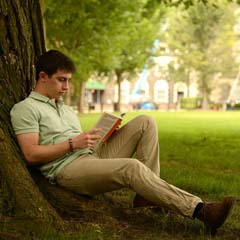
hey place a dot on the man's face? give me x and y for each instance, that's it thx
(56, 85)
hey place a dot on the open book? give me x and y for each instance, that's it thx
(108, 124)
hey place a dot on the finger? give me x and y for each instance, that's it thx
(91, 143)
(96, 136)
(93, 136)
(95, 130)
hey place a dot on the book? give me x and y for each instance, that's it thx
(108, 123)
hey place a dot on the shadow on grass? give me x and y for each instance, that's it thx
(118, 220)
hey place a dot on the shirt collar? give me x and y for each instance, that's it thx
(42, 98)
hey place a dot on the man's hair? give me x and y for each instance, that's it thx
(52, 61)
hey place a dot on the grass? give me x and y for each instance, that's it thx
(200, 152)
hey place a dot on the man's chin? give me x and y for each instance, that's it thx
(60, 95)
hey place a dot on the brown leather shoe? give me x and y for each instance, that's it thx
(139, 201)
(213, 215)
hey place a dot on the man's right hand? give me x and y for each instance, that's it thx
(87, 139)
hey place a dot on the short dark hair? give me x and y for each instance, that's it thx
(52, 61)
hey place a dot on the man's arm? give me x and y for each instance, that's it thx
(36, 154)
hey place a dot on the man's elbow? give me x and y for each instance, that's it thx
(30, 159)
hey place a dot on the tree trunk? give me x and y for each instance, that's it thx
(188, 83)
(67, 98)
(21, 41)
(205, 104)
(81, 97)
(119, 80)
(170, 95)
(72, 205)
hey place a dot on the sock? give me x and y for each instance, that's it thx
(197, 209)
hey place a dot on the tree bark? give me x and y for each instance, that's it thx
(67, 97)
(188, 83)
(71, 205)
(205, 104)
(119, 80)
(21, 41)
(170, 95)
(81, 97)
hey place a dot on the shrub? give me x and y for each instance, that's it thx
(191, 102)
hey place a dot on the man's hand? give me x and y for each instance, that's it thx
(87, 139)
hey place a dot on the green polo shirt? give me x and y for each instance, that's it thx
(39, 114)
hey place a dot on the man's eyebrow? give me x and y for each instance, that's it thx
(64, 78)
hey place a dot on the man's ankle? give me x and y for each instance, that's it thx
(197, 209)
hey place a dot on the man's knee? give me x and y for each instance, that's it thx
(146, 120)
(134, 173)
(132, 168)
(134, 164)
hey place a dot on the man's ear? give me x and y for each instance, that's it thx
(43, 76)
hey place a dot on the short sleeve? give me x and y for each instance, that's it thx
(24, 118)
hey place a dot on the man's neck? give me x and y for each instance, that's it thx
(40, 90)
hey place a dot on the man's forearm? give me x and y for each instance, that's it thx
(36, 154)
(41, 154)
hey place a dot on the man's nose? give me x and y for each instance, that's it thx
(65, 85)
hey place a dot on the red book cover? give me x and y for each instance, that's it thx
(111, 130)
(108, 124)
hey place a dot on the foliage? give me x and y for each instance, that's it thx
(94, 32)
(139, 43)
(103, 36)
(186, 3)
(87, 30)
(201, 38)
(191, 102)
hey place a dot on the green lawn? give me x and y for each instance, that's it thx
(200, 152)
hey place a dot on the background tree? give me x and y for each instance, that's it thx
(87, 31)
(102, 36)
(136, 51)
(196, 36)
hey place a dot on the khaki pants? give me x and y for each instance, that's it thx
(112, 167)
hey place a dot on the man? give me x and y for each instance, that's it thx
(51, 138)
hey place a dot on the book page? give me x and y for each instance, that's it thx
(107, 122)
